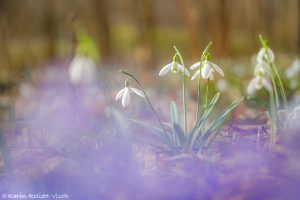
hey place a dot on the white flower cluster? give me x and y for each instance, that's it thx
(206, 72)
(261, 71)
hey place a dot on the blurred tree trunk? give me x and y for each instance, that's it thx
(224, 35)
(7, 68)
(4, 53)
(102, 11)
(190, 18)
(298, 26)
(268, 17)
(145, 11)
(50, 28)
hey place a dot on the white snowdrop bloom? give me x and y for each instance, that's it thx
(126, 92)
(257, 83)
(194, 66)
(174, 67)
(82, 70)
(207, 71)
(262, 67)
(263, 55)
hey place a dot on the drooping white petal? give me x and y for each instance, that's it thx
(126, 97)
(260, 55)
(137, 91)
(267, 84)
(271, 55)
(218, 69)
(184, 70)
(120, 93)
(194, 66)
(205, 71)
(211, 76)
(196, 75)
(263, 55)
(165, 69)
(252, 86)
(261, 68)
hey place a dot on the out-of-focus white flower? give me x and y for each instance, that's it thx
(174, 67)
(293, 84)
(263, 55)
(82, 70)
(125, 94)
(293, 70)
(222, 85)
(207, 70)
(257, 83)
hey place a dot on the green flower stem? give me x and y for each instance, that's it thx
(275, 90)
(198, 99)
(272, 121)
(273, 66)
(274, 70)
(159, 121)
(183, 92)
(206, 96)
(199, 81)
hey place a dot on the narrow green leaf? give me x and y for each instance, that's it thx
(180, 135)
(121, 125)
(196, 132)
(174, 120)
(159, 133)
(153, 129)
(217, 122)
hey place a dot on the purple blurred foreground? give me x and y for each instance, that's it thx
(70, 140)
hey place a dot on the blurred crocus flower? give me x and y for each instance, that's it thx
(264, 55)
(125, 94)
(257, 83)
(174, 67)
(207, 70)
(82, 70)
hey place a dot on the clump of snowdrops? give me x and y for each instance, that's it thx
(178, 138)
(267, 76)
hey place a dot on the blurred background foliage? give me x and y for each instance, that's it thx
(141, 32)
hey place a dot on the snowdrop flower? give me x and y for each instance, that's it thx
(262, 68)
(207, 70)
(174, 67)
(257, 83)
(125, 94)
(82, 70)
(263, 55)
